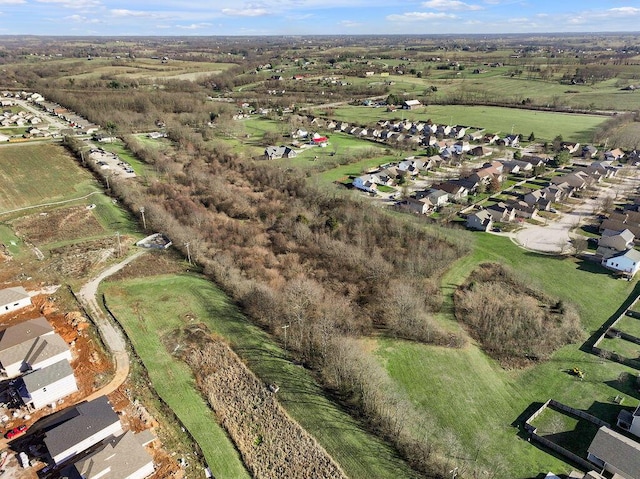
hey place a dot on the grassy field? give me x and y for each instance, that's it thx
(171, 378)
(163, 303)
(629, 325)
(445, 382)
(43, 173)
(545, 125)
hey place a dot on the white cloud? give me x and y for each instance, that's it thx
(12, 2)
(624, 11)
(245, 12)
(194, 26)
(349, 24)
(419, 16)
(449, 5)
(76, 4)
(82, 19)
(122, 12)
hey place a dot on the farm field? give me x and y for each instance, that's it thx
(444, 382)
(545, 125)
(42, 173)
(170, 302)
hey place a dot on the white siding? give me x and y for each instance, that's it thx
(53, 392)
(13, 306)
(143, 472)
(114, 430)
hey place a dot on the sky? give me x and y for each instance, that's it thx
(314, 17)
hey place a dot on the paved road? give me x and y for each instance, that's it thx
(111, 335)
(556, 236)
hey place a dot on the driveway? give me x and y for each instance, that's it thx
(555, 236)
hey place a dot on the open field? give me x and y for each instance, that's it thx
(444, 382)
(166, 303)
(35, 174)
(545, 125)
(171, 378)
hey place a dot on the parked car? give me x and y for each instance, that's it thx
(16, 431)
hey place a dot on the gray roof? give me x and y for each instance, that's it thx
(120, 456)
(11, 295)
(78, 423)
(34, 350)
(46, 376)
(633, 255)
(617, 450)
(23, 332)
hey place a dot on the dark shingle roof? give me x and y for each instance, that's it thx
(617, 450)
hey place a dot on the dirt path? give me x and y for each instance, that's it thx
(109, 332)
(50, 204)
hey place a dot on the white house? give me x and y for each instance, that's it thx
(45, 386)
(12, 299)
(30, 345)
(626, 263)
(75, 429)
(480, 221)
(122, 457)
(368, 183)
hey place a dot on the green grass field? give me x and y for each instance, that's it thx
(545, 125)
(36, 174)
(146, 325)
(629, 325)
(161, 304)
(470, 394)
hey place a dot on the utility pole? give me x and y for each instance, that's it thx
(285, 327)
(188, 252)
(119, 245)
(144, 221)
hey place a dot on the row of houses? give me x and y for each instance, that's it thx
(530, 204)
(85, 441)
(418, 133)
(21, 118)
(79, 124)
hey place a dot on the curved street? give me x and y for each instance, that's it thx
(555, 236)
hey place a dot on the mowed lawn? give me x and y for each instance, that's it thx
(151, 308)
(468, 393)
(42, 173)
(545, 125)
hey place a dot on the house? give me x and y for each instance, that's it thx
(626, 263)
(122, 457)
(570, 147)
(30, 345)
(501, 212)
(455, 190)
(577, 180)
(45, 386)
(480, 151)
(420, 206)
(411, 104)
(75, 429)
(613, 155)
(480, 221)
(12, 299)
(589, 151)
(438, 197)
(524, 210)
(538, 198)
(368, 183)
(630, 421)
(517, 166)
(275, 152)
(615, 454)
(511, 140)
(617, 240)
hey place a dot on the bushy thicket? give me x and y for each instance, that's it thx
(271, 443)
(512, 321)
